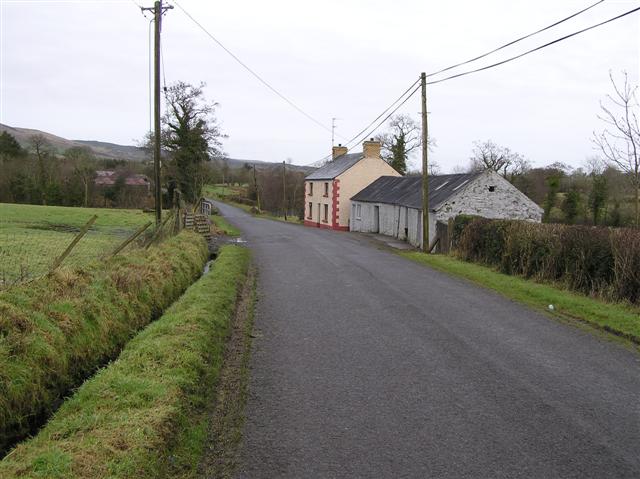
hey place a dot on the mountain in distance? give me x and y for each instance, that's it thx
(113, 151)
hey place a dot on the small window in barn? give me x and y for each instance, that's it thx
(492, 188)
(326, 190)
(358, 211)
(326, 214)
(310, 210)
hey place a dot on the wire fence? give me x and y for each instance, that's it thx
(32, 245)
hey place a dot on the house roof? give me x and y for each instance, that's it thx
(407, 190)
(336, 167)
(109, 178)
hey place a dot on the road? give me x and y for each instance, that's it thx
(368, 365)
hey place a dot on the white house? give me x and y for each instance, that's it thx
(392, 206)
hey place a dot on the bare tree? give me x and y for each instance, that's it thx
(404, 135)
(491, 156)
(619, 142)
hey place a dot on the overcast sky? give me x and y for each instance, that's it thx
(79, 69)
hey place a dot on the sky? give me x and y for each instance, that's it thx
(80, 70)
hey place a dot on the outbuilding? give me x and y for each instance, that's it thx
(392, 206)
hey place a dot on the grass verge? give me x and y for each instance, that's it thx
(127, 420)
(224, 226)
(619, 319)
(56, 331)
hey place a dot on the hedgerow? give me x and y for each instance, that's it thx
(56, 331)
(129, 419)
(596, 261)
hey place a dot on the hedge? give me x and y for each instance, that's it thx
(55, 332)
(597, 261)
(128, 420)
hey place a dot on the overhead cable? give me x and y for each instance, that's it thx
(513, 42)
(558, 40)
(251, 71)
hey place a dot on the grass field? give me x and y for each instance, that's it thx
(620, 319)
(32, 236)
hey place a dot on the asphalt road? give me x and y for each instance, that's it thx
(368, 365)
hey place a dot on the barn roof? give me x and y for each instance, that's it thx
(407, 190)
(335, 167)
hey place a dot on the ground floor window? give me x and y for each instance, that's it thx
(358, 211)
(310, 210)
(326, 214)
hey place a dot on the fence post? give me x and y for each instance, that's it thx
(58, 261)
(159, 229)
(122, 245)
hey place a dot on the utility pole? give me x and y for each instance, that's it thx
(255, 186)
(284, 188)
(425, 166)
(157, 10)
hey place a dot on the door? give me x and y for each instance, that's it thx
(376, 219)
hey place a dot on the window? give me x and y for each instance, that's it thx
(326, 214)
(310, 189)
(310, 210)
(358, 211)
(492, 188)
(326, 190)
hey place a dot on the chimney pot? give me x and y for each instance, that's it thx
(371, 149)
(338, 151)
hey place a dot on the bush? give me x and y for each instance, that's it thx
(592, 260)
(55, 332)
(128, 421)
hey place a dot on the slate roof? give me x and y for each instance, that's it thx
(407, 190)
(335, 167)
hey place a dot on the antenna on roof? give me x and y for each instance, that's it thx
(333, 130)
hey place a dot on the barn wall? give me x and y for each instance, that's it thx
(505, 202)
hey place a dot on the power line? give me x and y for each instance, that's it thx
(535, 49)
(250, 70)
(516, 40)
(359, 135)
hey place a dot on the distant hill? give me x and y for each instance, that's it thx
(119, 152)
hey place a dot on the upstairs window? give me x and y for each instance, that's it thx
(310, 189)
(326, 190)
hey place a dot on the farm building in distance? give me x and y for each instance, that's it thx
(392, 206)
(129, 189)
(328, 189)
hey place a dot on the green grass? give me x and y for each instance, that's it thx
(620, 319)
(224, 226)
(223, 193)
(55, 331)
(129, 419)
(32, 236)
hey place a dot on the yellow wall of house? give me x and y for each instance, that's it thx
(355, 179)
(318, 198)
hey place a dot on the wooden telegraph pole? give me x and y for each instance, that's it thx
(255, 185)
(284, 189)
(157, 10)
(425, 169)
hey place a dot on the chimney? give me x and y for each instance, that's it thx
(371, 148)
(339, 151)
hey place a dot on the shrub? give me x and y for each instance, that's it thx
(592, 260)
(55, 332)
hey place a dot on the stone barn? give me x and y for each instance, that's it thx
(392, 206)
